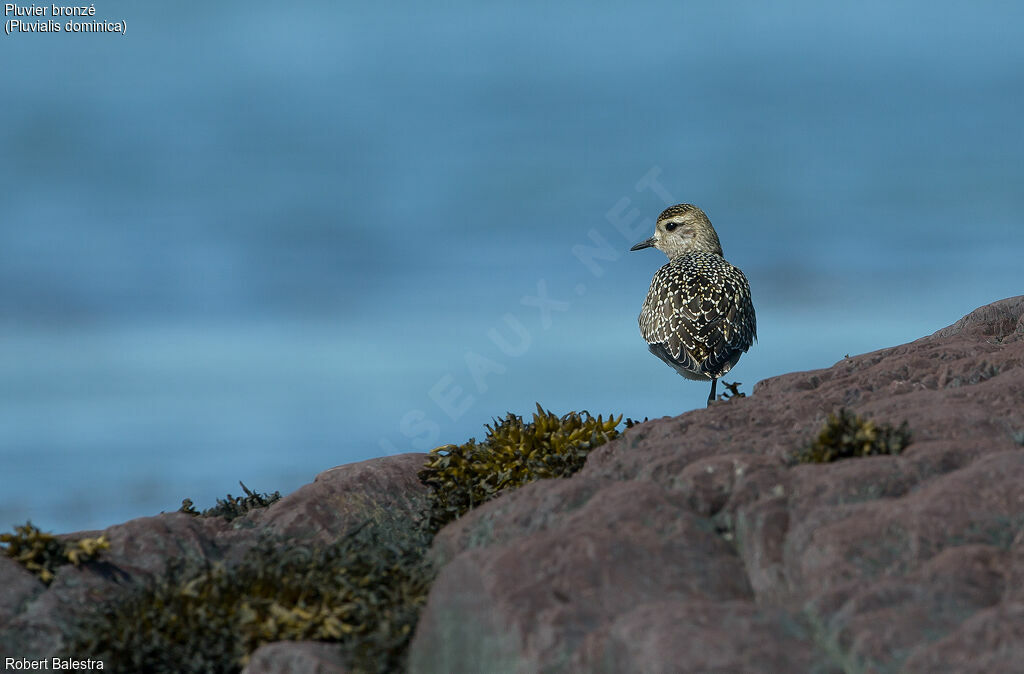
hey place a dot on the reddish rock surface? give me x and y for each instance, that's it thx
(34, 618)
(296, 657)
(693, 544)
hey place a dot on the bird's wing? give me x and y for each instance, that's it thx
(701, 316)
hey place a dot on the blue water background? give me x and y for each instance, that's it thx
(248, 240)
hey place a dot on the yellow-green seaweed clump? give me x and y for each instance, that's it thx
(847, 436)
(363, 592)
(514, 453)
(41, 553)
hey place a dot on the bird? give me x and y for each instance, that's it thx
(698, 316)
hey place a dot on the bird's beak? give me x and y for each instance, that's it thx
(644, 244)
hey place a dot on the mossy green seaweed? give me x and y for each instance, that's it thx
(846, 435)
(231, 507)
(513, 453)
(363, 592)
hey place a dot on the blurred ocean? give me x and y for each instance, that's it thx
(254, 242)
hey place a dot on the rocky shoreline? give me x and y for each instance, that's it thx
(692, 543)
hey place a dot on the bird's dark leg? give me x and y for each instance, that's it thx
(711, 396)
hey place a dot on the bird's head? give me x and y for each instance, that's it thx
(681, 229)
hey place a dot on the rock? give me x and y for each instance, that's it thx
(989, 641)
(35, 619)
(694, 635)
(296, 657)
(342, 497)
(615, 555)
(19, 585)
(695, 544)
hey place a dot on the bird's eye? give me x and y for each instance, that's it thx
(670, 226)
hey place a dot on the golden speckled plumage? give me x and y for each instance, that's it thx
(698, 316)
(698, 313)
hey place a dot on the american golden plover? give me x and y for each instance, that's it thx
(698, 316)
